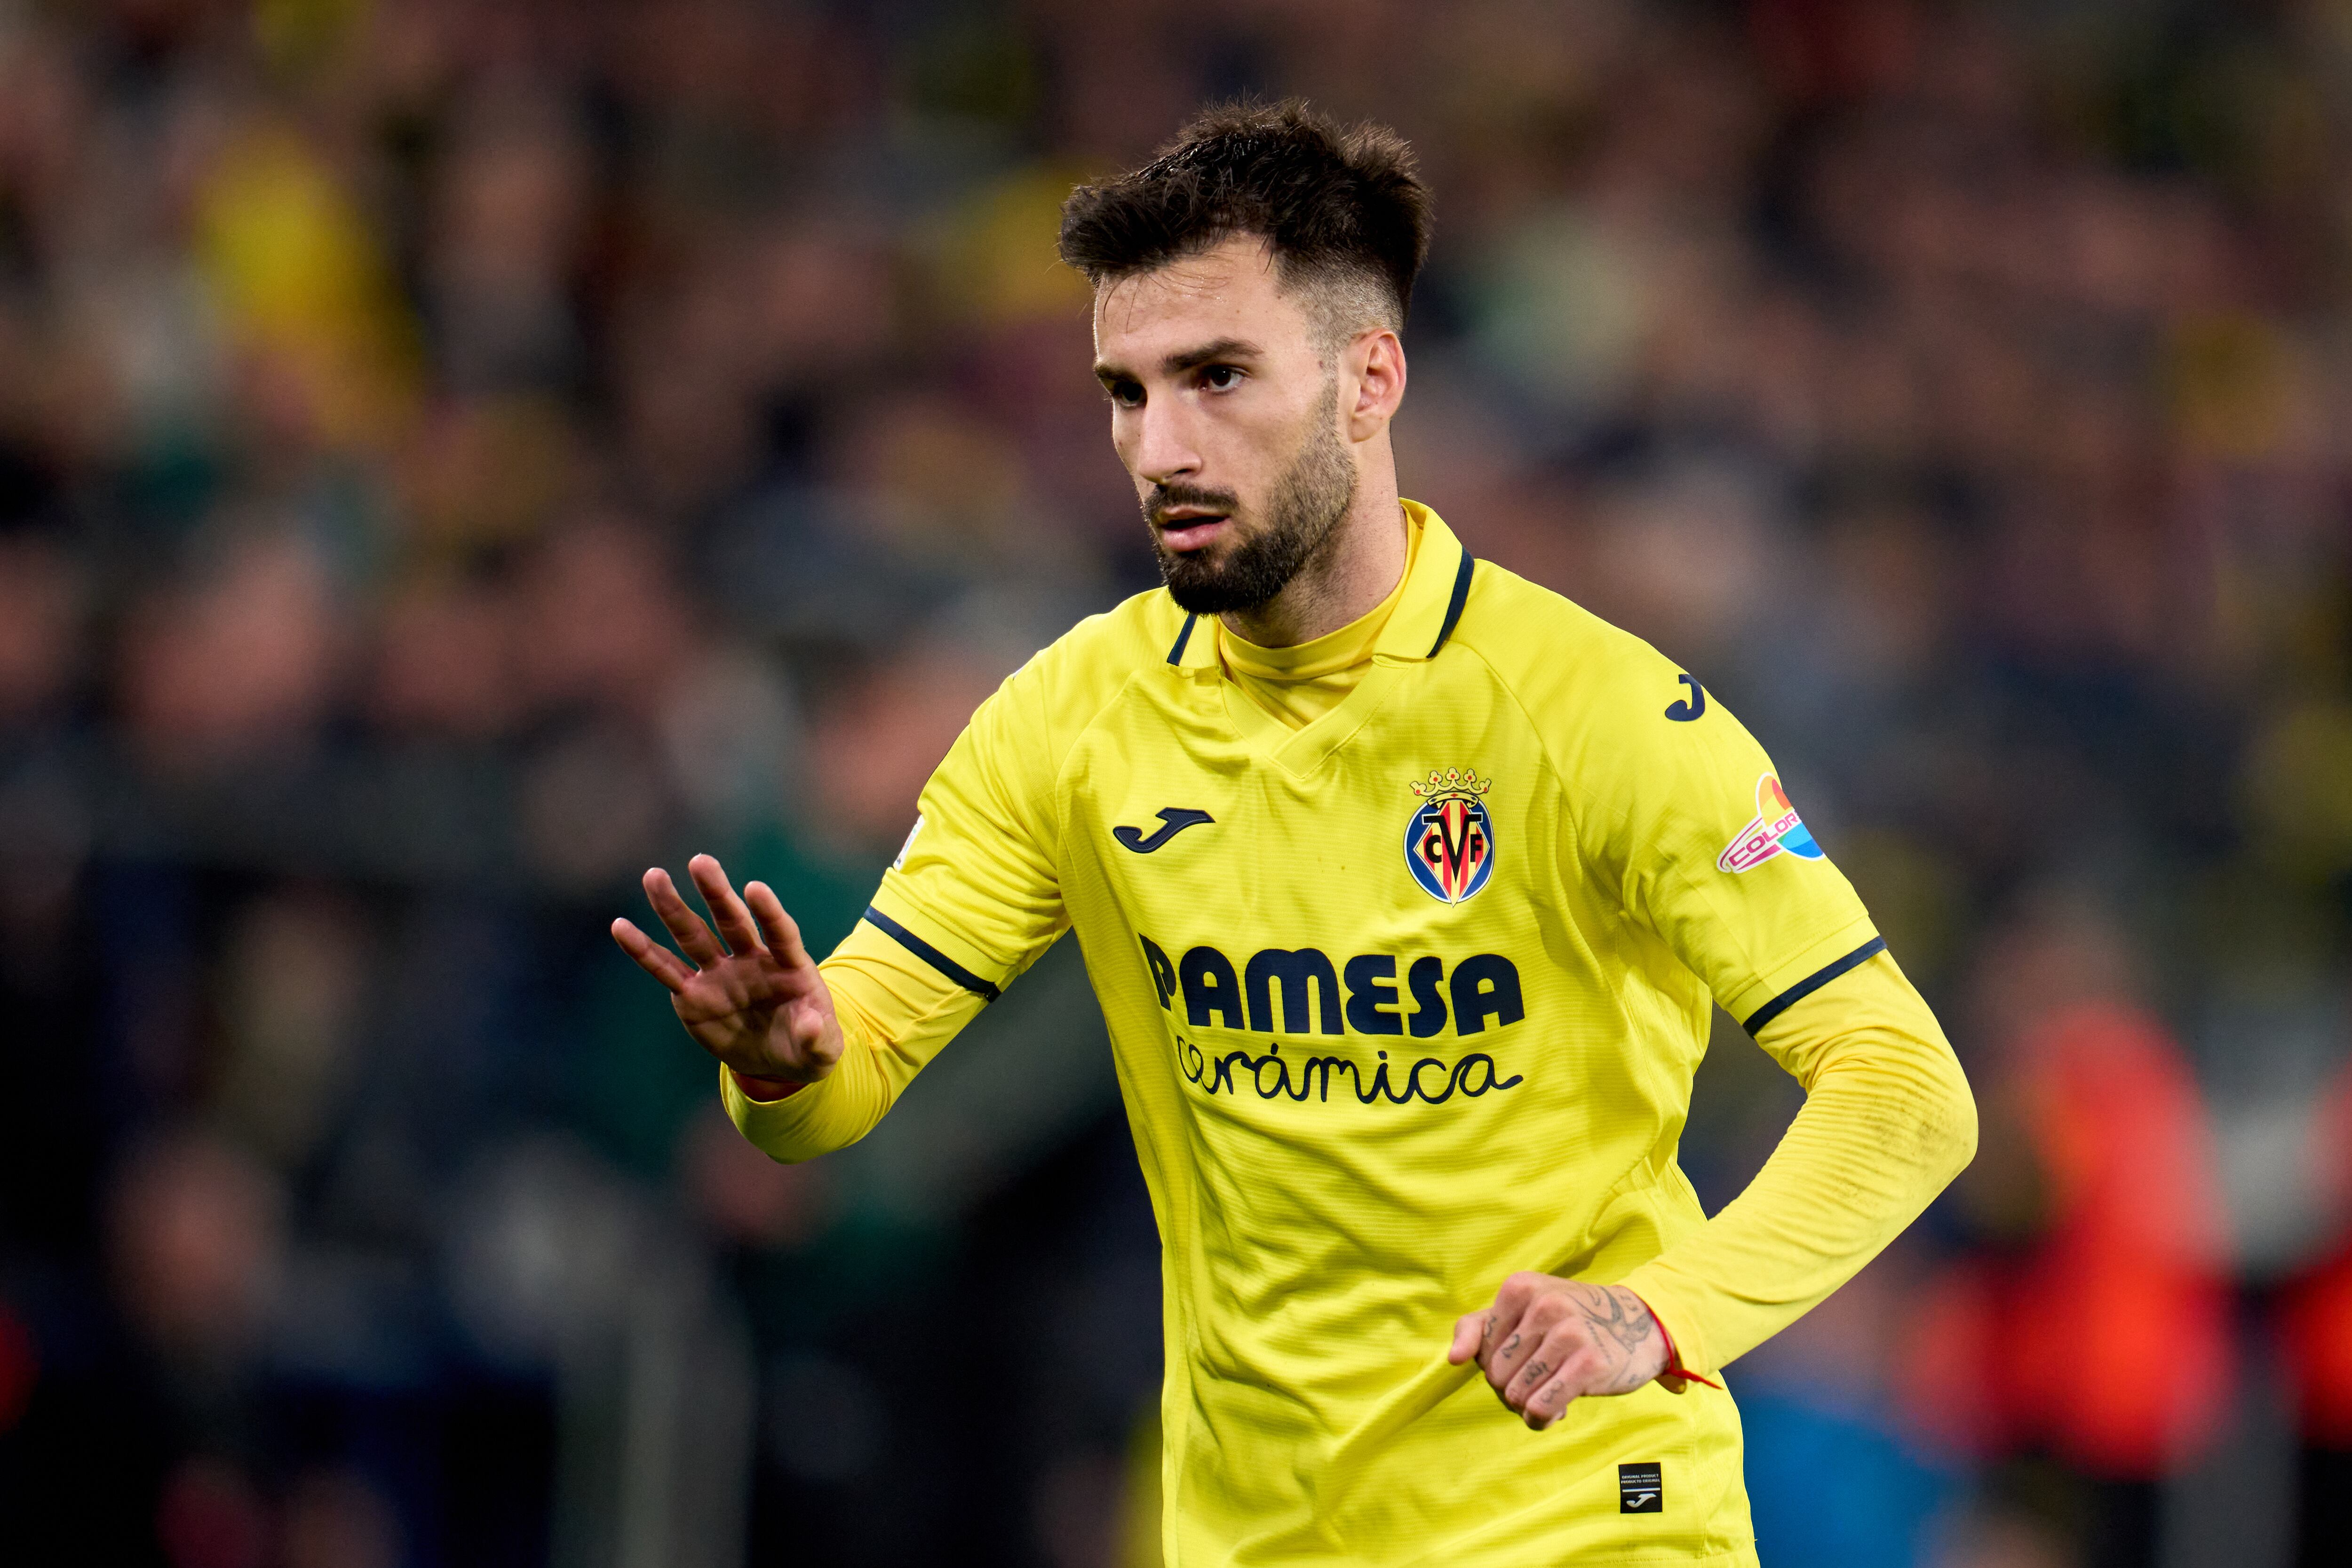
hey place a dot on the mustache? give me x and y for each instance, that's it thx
(1163, 497)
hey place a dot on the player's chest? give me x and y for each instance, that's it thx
(1421, 816)
(1363, 925)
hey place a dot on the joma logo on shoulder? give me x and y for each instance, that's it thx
(1177, 819)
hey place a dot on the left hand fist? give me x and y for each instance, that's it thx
(1548, 1339)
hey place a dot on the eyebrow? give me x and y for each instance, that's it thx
(1183, 360)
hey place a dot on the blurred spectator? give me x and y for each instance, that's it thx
(38, 608)
(1833, 1475)
(240, 661)
(2105, 1338)
(2316, 1317)
(198, 1243)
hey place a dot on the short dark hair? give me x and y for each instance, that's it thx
(1342, 207)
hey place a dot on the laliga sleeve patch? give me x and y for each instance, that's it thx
(1776, 830)
(900, 863)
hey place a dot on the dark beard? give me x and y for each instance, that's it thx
(1302, 521)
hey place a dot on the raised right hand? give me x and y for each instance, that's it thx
(758, 1004)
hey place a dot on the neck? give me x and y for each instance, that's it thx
(1356, 569)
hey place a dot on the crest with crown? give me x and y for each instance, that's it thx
(1449, 842)
(1452, 784)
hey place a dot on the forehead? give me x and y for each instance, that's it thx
(1229, 291)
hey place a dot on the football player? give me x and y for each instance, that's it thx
(1408, 888)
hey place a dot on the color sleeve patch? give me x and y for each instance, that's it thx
(1775, 830)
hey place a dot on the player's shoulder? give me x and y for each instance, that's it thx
(1541, 643)
(1111, 644)
(1091, 663)
(1604, 703)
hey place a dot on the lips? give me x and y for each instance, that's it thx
(1184, 533)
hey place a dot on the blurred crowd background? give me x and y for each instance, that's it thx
(455, 453)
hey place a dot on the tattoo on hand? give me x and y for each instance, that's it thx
(1616, 1332)
(1619, 1325)
(1513, 1347)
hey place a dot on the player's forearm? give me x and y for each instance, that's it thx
(1887, 1122)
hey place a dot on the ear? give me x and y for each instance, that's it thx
(1375, 362)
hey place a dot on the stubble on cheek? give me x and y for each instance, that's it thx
(1267, 547)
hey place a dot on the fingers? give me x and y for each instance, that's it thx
(733, 920)
(1548, 1341)
(685, 927)
(1468, 1331)
(1509, 1349)
(777, 929)
(1557, 1368)
(1561, 1365)
(1549, 1402)
(652, 956)
(1508, 1345)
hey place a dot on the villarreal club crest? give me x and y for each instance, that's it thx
(1449, 843)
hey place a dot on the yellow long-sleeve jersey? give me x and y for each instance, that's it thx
(1406, 989)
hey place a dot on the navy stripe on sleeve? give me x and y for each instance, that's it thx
(1453, 606)
(931, 956)
(1812, 982)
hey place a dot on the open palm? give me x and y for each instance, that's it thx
(758, 1002)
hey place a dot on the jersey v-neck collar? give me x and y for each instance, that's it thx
(1335, 652)
(1417, 629)
(1435, 587)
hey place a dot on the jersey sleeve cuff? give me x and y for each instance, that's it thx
(762, 1091)
(777, 1128)
(1677, 1378)
(1762, 999)
(1686, 1345)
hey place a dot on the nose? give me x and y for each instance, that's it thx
(1163, 448)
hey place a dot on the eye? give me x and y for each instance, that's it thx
(1221, 378)
(1126, 393)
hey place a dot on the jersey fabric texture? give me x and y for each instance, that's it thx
(1404, 999)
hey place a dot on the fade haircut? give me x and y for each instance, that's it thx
(1343, 209)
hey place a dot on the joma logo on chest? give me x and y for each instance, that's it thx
(1291, 991)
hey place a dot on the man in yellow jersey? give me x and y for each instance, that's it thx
(1407, 887)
